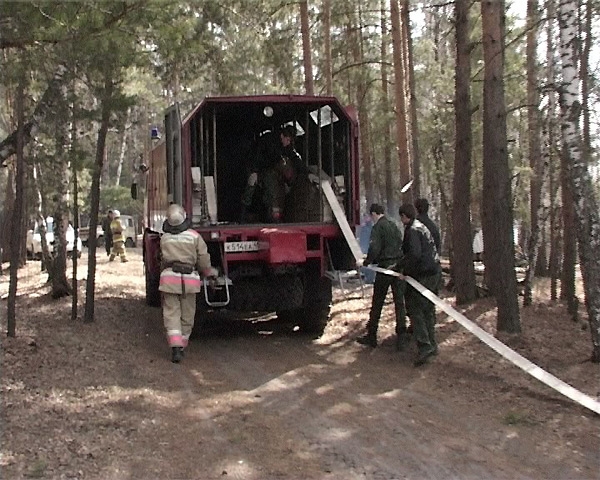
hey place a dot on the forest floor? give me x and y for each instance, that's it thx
(258, 400)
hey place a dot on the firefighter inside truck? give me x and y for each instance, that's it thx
(231, 140)
(275, 166)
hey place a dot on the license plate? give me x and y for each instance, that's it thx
(235, 247)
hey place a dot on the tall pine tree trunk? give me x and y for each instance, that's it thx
(307, 54)
(586, 205)
(17, 211)
(355, 36)
(551, 146)
(328, 70)
(107, 95)
(497, 201)
(414, 122)
(390, 195)
(123, 148)
(401, 126)
(463, 271)
(535, 160)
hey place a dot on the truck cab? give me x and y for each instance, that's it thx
(267, 263)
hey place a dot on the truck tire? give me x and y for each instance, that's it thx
(152, 292)
(313, 316)
(129, 243)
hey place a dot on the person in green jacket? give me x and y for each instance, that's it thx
(385, 250)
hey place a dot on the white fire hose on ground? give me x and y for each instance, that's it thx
(491, 341)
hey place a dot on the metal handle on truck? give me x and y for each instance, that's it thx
(221, 282)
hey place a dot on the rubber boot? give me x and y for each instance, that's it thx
(176, 354)
(370, 339)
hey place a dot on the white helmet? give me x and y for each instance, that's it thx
(116, 213)
(175, 215)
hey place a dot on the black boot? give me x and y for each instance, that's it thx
(402, 340)
(176, 354)
(425, 351)
(370, 339)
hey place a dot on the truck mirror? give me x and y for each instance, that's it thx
(134, 191)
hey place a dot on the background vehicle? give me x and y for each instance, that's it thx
(130, 230)
(34, 240)
(202, 164)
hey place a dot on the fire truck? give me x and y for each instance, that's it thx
(204, 162)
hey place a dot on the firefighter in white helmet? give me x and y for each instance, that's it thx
(184, 260)
(118, 239)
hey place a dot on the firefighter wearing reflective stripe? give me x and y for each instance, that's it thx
(118, 248)
(184, 254)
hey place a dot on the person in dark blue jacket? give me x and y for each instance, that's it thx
(421, 262)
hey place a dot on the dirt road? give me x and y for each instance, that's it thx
(258, 400)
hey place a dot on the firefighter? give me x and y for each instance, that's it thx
(184, 254)
(118, 248)
(273, 171)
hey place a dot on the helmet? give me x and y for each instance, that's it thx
(175, 215)
(116, 213)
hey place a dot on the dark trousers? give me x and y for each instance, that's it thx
(422, 312)
(380, 288)
(108, 244)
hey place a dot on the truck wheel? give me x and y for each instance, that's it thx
(152, 292)
(317, 305)
(313, 316)
(129, 243)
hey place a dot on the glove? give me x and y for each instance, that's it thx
(252, 179)
(313, 178)
(210, 272)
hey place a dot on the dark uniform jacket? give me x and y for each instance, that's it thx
(106, 228)
(420, 255)
(289, 154)
(433, 228)
(385, 245)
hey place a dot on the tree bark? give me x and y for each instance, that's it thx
(569, 253)
(95, 195)
(463, 271)
(401, 127)
(355, 38)
(123, 148)
(551, 146)
(328, 73)
(17, 211)
(585, 81)
(497, 205)
(414, 122)
(535, 155)
(390, 195)
(307, 54)
(60, 284)
(586, 205)
(75, 168)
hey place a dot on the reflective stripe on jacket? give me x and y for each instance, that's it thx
(186, 247)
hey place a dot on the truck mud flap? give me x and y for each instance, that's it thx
(267, 294)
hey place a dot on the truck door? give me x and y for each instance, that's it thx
(174, 159)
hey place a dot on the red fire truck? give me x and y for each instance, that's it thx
(204, 162)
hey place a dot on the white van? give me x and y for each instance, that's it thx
(34, 240)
